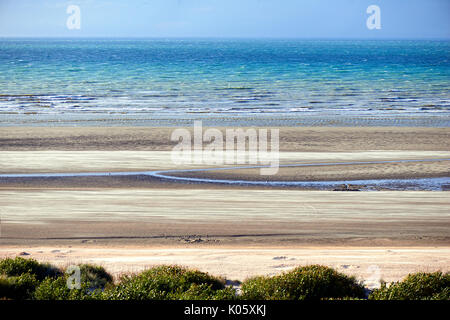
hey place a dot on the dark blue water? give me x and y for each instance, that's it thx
(228, 82)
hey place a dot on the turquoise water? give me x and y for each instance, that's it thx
(224, 82)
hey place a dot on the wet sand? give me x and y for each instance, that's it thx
(299, 139)
(55, 213)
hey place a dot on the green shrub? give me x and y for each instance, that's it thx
(92, 280)
(19, 266)
(303, 283)
(418, 286)
(18, 287)
(258, 288)
(57, 289)
(95, 276)
(205, 292)
(168, 282)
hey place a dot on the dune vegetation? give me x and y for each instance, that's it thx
(27, 279)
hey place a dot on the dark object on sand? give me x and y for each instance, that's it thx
(346, 187)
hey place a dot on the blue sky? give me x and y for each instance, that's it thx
(227, 18)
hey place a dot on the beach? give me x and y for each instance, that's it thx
(128, 223)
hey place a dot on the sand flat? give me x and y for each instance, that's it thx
(299, 215)
(109, 161)
(209, 204)
(301, 139)
(127, 225)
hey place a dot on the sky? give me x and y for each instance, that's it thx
(330, 19)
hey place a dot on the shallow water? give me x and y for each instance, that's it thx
(430, 184)
(228, 82)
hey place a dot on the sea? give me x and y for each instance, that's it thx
(224, 82)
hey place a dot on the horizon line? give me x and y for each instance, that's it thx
(227, 38)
